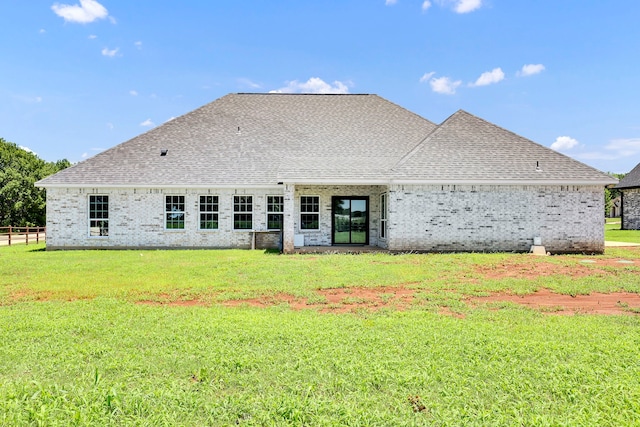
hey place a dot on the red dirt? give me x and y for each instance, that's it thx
(552, 303)
(352, 299)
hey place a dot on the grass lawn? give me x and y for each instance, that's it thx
(144, 338)
(613, 233)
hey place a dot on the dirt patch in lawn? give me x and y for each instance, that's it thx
(345, 300)
(528, 270)
(552, 303)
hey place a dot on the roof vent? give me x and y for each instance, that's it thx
(238, 131)
(538, 168)
(163, 152)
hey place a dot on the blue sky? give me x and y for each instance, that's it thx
(80, 76)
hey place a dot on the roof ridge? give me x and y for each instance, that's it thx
(415, 149)
(304, 94)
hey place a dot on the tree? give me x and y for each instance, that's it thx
(21, 203)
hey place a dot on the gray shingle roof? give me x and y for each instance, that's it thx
(467, 148)
(631, 180)
(263, 139)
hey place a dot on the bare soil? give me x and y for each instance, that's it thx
(354, 299)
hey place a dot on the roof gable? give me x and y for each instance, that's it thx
(465, 148)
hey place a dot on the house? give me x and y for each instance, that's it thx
(615, 207)
(629, 187)
(260, 170)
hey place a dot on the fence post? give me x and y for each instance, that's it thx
(26, 240)
(9, 235)
(37, 235)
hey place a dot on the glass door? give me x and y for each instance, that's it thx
(350, 220)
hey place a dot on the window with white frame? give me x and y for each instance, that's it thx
(309, 212)
(275, 206)
(209, 212)
(242, 212)
(174, 212)
(383, 216)
(98, 215)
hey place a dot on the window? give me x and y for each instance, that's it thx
(174, 212)
(274, 212)
(383, 216)
(242, 212)
(208, 212)
(98, 216)
(309, 212)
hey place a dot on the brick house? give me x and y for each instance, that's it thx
(317, 170)
(629, 187)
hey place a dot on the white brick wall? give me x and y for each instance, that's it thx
(322, 237)
(136, 219)
(496, 218)
(422, 218)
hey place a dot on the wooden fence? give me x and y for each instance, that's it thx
(11, 235)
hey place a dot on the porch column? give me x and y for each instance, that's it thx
(288, 228)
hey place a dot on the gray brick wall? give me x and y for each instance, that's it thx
(496, 218)
(421, 218)
(322, 236)
(631, 209)
(137, 219)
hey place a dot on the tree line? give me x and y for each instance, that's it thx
(21, 202)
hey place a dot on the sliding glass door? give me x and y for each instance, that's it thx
(350, 220)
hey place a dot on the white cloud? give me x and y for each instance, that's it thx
(38, 99)
(444, 85)
(563, 143)
(314, 85)
(490, 77)
(138, 44)
(624, 147)
(42, 31)
(170, 118)
(426, 4)
(93, 37)
(27, 149)
(390, 2)
(426, 76)
(466, 6)
(531, 69)
(461, 6)
(88, 11)
(133, 92)
(147, 123)
(110, 52)
(110, 126)
(248, 83)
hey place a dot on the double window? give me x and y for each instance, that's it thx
(174, 212)
(209, 212)
(309, 212)
(98, 215)
(274, 212)
(242, 212)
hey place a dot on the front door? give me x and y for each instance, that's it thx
(350, 223)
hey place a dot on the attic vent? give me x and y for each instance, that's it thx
(538, 168)
(163, 153)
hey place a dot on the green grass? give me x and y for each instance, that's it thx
(613, 233)
(77, 348)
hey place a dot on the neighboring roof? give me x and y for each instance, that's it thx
(630, 180)
(266, 139)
